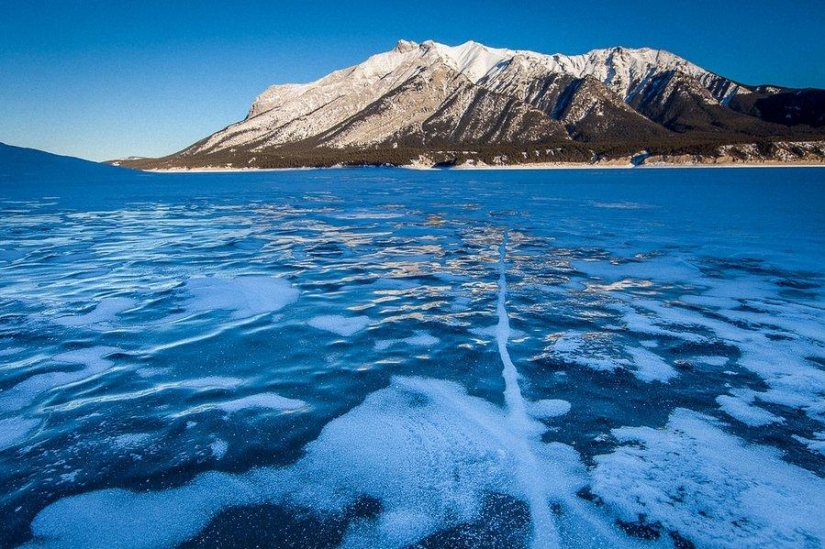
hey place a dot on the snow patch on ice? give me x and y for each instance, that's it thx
(546, 409)
(740, 406)
(816, 445)
(650, 366)
(711, 486)
(219, 448)
(342, 325)
(130, 441)
(245, 296)
(421, 339)
(588, 350)
(713, 360)
(270, 401)
(660, 269)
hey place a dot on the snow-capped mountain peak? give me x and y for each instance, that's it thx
(424, 93)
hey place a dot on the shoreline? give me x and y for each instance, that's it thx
(515, 167)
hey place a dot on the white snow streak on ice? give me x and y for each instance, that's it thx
(544, 529)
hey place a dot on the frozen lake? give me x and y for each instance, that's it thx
(392, 358)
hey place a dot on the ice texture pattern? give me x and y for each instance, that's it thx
(394, 359)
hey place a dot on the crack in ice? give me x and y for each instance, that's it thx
(545, 533)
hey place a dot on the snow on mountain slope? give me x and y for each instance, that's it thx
(472, 59)
(286, 114)
(624, 71)
(396, 94)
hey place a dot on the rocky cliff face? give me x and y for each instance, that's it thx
(427, 96)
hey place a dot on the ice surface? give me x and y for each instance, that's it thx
(105, 312)
(816, 444)
(589, 350)
(342, 325)
(212, 382)
(24, 393)
(424, 448)
(695, 478)
(14, 430)
(427, 450)
(741, 407)
(11, 255)
(219, 448)
(447, 421)
(650, 366)
(263, 400)
(245, 296)
(545, 409)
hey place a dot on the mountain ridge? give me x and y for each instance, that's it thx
(427, 96)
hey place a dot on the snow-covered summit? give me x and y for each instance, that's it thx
(623, 70)
(420, 93)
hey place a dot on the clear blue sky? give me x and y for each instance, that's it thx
(105, 79)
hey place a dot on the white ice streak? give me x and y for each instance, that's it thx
(526, 445)
(694, 478)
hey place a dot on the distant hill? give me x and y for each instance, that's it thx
(18, 163)
(475, 103)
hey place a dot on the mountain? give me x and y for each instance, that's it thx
(421, 99)
(17, 163)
